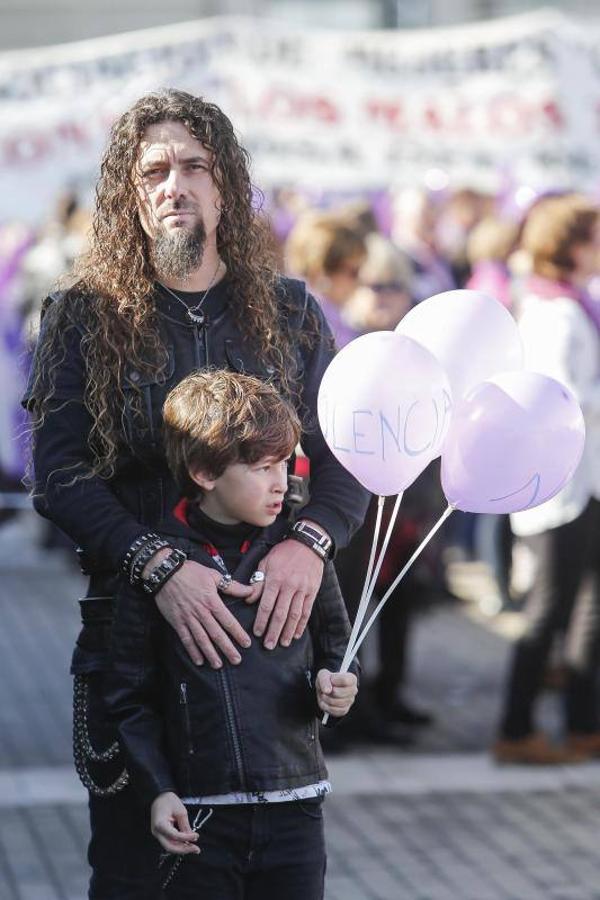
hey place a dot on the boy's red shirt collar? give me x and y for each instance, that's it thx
(181, 511)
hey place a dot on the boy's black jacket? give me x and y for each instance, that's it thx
(199, 731)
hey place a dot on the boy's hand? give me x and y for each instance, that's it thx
(336, 691)
(170, 825)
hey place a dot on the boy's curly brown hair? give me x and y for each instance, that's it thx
(216, 418)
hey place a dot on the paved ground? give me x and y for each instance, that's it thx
(434, 822)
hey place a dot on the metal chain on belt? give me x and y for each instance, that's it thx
(83, 750)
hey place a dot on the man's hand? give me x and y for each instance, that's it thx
(293, 575)
(170, 825)
(191, 605)
(336, 691)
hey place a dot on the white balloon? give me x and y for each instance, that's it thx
(384, 408)
(471, 335)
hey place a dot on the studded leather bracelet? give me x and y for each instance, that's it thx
(159, 576)
(134, 548)
(143, 557)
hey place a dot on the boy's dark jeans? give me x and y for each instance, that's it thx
(267, 851)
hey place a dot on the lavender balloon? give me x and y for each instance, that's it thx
(471, 335)
(514, 442)
(384, 408)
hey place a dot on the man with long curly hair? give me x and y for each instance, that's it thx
(178, 277)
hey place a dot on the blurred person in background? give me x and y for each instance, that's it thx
(328, 251)
(414, 232)
(177, 278)
(15, 241)
(383, 296)
(50, 260)
(489, 247)
(561, 336)
(460, 212)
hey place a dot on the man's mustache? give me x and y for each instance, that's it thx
(179, 206)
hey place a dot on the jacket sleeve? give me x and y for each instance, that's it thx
(329, 624)
(337, 501)
(133, 692)
(87, 510)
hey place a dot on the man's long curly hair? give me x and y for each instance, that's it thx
(112, 298)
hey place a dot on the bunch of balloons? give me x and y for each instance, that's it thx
(449, 381)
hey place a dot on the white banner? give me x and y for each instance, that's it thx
(516, 98)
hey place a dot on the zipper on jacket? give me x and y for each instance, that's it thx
(183, 702)
(235, 738)
(205, 335)
(197, 339)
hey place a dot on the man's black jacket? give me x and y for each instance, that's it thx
(104, 517)
(199, 731)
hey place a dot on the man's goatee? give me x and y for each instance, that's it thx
(178, 254)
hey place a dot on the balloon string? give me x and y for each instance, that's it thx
(370, 582)
(399, 578)
(373, 581)
(364, 597)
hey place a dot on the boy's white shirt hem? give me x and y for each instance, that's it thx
(285, 795)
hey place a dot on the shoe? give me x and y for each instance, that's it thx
(586, 745)
(405, 714)
(534, 750)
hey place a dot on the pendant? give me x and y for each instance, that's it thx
(195, 318)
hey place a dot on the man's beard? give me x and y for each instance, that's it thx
(179, 253)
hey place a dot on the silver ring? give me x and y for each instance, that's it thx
(225, 582)
(257, 577)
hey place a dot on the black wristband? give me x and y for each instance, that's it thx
(309, 542)
(143, 556)
(159, 576)
(133, 549)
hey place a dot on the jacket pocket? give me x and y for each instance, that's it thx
(93, 641)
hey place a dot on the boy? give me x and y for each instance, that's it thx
(235, 748)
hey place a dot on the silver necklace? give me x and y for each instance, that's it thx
(194, 313)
